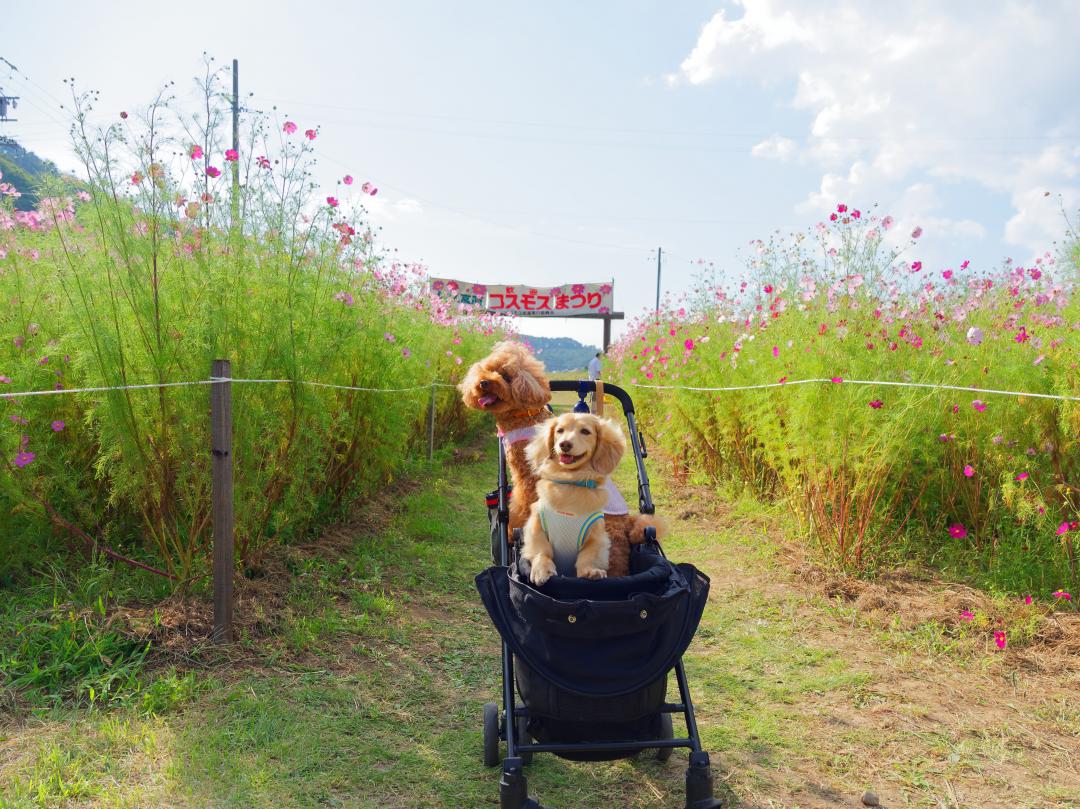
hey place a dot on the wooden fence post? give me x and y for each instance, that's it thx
(222, 497)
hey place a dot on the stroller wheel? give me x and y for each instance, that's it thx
(491, 734)
(521, 734)
(667, 731)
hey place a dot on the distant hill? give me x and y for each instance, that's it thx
(24, 170)
(561, 353)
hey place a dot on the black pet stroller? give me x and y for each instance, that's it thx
(591, 659)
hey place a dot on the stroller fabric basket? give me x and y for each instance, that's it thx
(604, 638)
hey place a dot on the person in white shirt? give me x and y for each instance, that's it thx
(594, 374)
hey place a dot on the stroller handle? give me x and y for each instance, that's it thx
(584, 386)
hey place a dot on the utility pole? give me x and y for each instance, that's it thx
(659, 255)
(235, 207)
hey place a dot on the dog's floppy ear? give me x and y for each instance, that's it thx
(610, 446)
(542, 445)
(527, 391)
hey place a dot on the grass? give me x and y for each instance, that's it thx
(368, 692)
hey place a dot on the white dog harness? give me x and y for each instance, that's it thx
(616, 505)
(567, 533)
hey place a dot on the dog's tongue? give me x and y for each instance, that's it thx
(566, 459)
(488, 400)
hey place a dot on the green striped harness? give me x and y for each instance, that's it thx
(567, 532)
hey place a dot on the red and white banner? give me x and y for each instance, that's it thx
(459, 291)
(562, 301)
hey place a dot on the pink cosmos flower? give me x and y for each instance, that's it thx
(979, 405)
(24, 458)
(1028, 600)
(310, 134)
(332, 202)
(969, 471)
(916, 233)
(57, 426)
(957, 531)
(877, 404)
(974, 335)
(263, 161)
(887, 222)
(347, 179)
(1022, 336)
(136, 178)
(689, 344)
(999, 639)
(212, 171)
(967, 615)
(196, 152)
(231, 155)
(776, 351)
(1022, 476)
(389, 337)
(1062, 595)
(289, 128)
(5, 380)
(946, 274)
(406, 353)
(83, 196)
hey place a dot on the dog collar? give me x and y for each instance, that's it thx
(585, 484)
(526, 414)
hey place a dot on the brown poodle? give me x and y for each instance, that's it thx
(572, 455)
(511, 385)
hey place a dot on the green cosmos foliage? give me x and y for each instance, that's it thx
(152, 270)
(985, 485)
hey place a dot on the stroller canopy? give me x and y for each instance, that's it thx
(599, 638)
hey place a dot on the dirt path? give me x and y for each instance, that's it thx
(812, 700)
(363, 689)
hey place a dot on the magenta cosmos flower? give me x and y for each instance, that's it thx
(347, 179)
(289, 128)
(1062, 595)
(24, 458)
(231, 155)
(877, 404)
(212, 171)
(979, 405)
(969, 471)
(310, 134)
(57, 426)
(1000, 640)
(196, 152)
(957, 531)
(332, 202)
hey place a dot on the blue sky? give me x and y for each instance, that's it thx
(551, 142)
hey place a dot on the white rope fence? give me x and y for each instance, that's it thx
(217, 380)
(435, 384)
(838, 381)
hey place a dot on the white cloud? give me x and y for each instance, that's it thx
(408, 206)
(776, 147)
(907, 98)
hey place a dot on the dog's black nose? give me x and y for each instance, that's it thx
(565, 446)
(484, 384)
